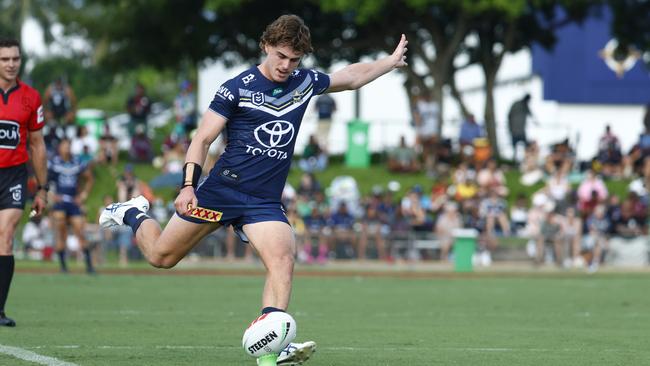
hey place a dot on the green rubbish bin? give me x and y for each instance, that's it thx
(93, 119)
(357, 154)
(464, 248)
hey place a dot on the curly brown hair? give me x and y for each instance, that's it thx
(288, 30)
(9, 42)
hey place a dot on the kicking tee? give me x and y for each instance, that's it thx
(263, 122)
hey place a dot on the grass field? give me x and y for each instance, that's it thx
(485, 319)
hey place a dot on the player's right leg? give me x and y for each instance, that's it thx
(8, 221)
(61, 235)
(162, 248)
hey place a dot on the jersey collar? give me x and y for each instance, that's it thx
(265, 83)
(5, 94)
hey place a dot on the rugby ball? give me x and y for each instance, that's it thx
(269, 334)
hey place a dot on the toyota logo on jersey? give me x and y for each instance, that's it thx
(9, 134)
(272, 135)
(275, 134)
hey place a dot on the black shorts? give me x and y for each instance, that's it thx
(13, 187)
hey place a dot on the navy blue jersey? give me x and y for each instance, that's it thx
(263, 121)
(65, 176)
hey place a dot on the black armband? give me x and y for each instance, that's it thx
(45, 187)
(191, 174)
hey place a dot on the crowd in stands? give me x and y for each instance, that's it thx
(569, 220)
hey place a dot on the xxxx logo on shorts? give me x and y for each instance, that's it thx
(205, 214)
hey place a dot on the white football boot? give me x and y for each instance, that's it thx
(296, 353)
(113, 214)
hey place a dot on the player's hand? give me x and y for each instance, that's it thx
(81, 198)
(186, 201)
(40, 201)
(399, 55)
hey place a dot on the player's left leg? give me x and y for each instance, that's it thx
(8, 221)
(276, 246)
(78, 225)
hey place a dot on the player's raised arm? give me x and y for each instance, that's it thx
(210, 127)
(355, 76)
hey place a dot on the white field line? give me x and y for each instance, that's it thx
(334, 348)
(30, 356)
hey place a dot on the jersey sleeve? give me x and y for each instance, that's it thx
(321, 81)
(226, 99)
(37, 119)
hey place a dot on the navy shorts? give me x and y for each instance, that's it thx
(70, 208)
(13, 187)
(227, 206)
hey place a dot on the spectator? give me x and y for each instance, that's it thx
(613, 212)
(632, 221)
(60, 110)
(464, 185)
(447, 222)
(52, 136)
(344, 188)
(536, 215)
(572, 236)
(403, 158)
(469, 131)
(550, 233)
(185, 108)
(342, 224)
(517, 118)
(308, 185)
(138, 106)
(37, 238)
(316, 227)
(519, 214)
(84, 139)
(439, 194)
(414, 208)
(172, 175)
(491, 178)
(426, 115)
(374, 224)
(530, 168)
(598, 226)
(129, 186)
(591, 192)
(159, 211)
(60, 103)
(326, 106)
(561, 157)
(559, 189)
(314, 158)
(108, 152)
(492, 212)
(141, 150)
(609, 155)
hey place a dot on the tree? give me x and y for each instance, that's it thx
(631, 26)
(14, 14)
(507, 29)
